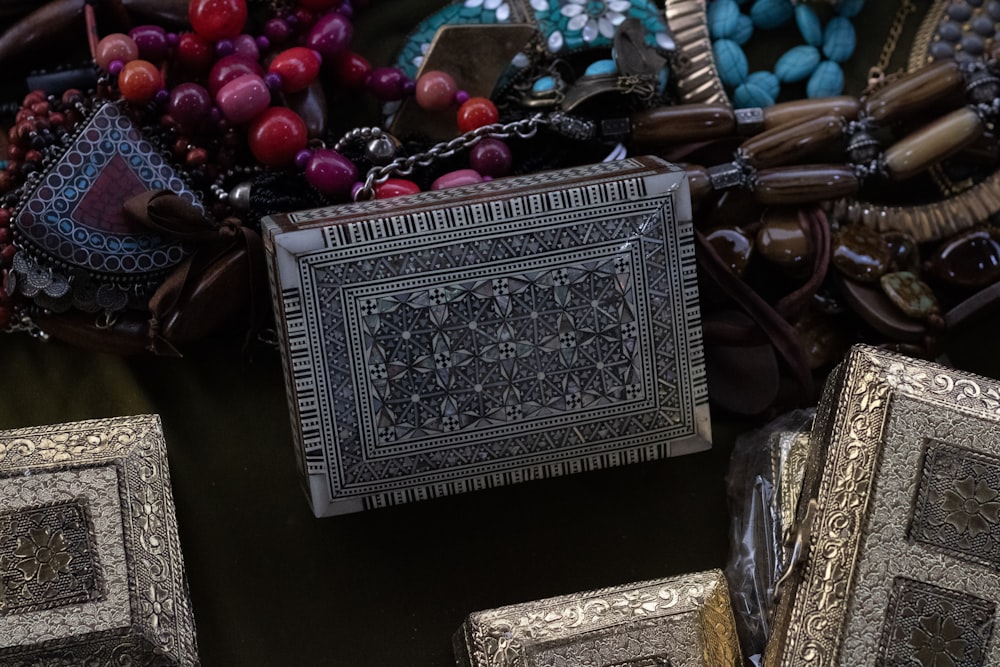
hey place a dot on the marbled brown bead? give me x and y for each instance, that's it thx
(789, 143)
(860, 253)
(930, 144)
(804, 184)
(915, 91)
(970, 260)
(799, 111)
(910, 294)
(682, 123)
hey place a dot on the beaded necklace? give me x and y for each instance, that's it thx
(730, 30)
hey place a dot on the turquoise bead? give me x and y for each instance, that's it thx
(767, 82)
(809, 25)
(599, 67)
(731, 62)
(839, 39)
(723, 17)
(850, 8)
(826, 81)
(543, 84)
(744, 30)
(748, 95)
(797, 63)
(769, 14)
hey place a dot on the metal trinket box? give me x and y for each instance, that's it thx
(90, 564)
(898, 544)
(506, 331)
(684, 621)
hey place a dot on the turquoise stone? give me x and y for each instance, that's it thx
(767, 82)
(768, 14)
(730, 61)
(543, 85)
(599, 67)
(911, 294)
(839, 39)
(850, 8)
(797, 63)
(826, 81)
(723, 17)
(744, 30)
(809, 25)
(747, 95)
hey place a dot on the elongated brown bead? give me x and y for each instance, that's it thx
(799, 111)
(804, 184)
(698, 181)
(932, 143)
(683, 123)
(917, 90)
(788, 143)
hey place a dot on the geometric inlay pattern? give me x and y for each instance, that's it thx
(47, 558)
(75, 213)
(957, 507)
(930, 626)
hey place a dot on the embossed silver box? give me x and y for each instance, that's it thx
(902, 538)
(511, 330)
(683, 621)
(90, 565)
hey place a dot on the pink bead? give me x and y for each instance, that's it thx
(331, 173)
(229, 68)
(435, 91)
(455, 178)
(243, 98)
(387, 83)
(116, 46)
(395, 187)
(298, 67)
(491, 157)
(246, 46)
(331, 35)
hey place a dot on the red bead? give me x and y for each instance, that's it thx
(4, 217)
(395, 187)
(230, 67)
(276, 136)
(435, 91)
(34, 96)
(116, 46)
(139, 81)
(7, 254)
(297, 67)
(196, 157)
(194, 52)
(352, 69)
(217, 19)
(4, 235)
(476, 112)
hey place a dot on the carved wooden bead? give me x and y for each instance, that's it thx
(799, 111)
(931, 144)
(789, 143)
(804, 184)
(683, 123)
(939, 82)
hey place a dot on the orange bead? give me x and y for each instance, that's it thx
(476, 112)
(139, 81)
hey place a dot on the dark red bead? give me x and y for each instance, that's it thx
(7, 254)
(395, 187)
(491, 157)
(229, 68)
(276, 136)
(352, 69)
(194, 52)
(387, 83)
(217, 19)
(190, 104)
(331, 35)
(298, 67)
(152, 42)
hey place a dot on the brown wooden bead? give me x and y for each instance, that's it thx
(799, 111)
(805, 184)
(698, 181)
(930, 144)
(733, 246)
(683, 123)
(788, 143)
(782, 240)
(917, 90)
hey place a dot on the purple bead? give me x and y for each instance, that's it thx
(162, 96)
(461, 97)
(491, 157)
(115, 67)
(387, 83)
(172, 38)
(277, 31)
(152, 41)
(243, 99)
(409, 87)
(331, 173)
(190, 104)
(330, 35)
(273, 81)
(263, 43)
(455, 178)
(302, 158)
(346, 9)
(292, 20)
(246, 46)
(224, 47)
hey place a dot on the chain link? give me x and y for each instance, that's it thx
(877, 73)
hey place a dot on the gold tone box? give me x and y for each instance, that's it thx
(90, 564)
(899, 522)
(683, 621)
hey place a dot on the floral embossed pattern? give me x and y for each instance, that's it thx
(929, 626)
(46, 558)
(958, 504)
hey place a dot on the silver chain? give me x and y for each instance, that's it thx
(403, 166)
